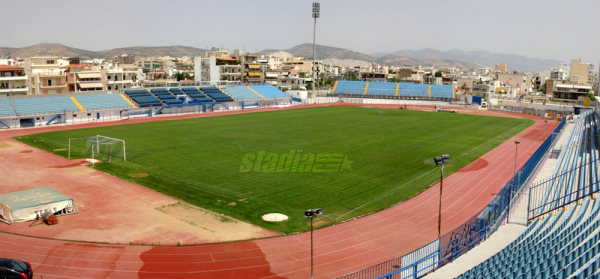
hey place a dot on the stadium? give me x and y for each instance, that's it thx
(174, 182)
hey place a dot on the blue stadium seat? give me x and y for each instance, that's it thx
(43, 105)
(102, 101)
(216, 94)
(269, 91)
(6, 108)
(350, 87)
(381, 88)
(241, 93)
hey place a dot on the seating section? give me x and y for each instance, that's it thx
(143, 97)
(413, 89)
(564, 241)
(350, 87)
(241, 93)
(382, 88)
(43, 105)
(566, 245)
(176, 91)
(165, 96)
(269, 91)
(196, 95)
(440, 90)
(102, 101)
(563, 189)
(6, 108)
(216, 94)
(385, 88)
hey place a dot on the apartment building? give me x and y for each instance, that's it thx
(45, 75)
(13, 81)
(252, 71)
(82, 78)
(119, 79)
(579, 72)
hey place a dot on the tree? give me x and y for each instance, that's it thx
(438, 74)
(181, 76)
(350, 75)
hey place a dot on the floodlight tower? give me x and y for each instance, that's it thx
(440, 161)
(316, 11)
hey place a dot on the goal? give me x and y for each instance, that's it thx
(98, 147)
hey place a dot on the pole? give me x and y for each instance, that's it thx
(440, 203)
(311, 249)
(314, 54)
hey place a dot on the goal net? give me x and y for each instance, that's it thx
(98, 147)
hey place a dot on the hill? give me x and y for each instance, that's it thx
(66, 51)
(333, 54)
(484, 58)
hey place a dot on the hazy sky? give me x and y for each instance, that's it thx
(538, 29)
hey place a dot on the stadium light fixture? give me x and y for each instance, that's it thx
(316, 12)
(515, 181)
(440, 161)
(312, 213)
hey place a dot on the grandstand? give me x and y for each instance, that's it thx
(216, 94)
(268, 91)
(6, 108)
(560, 246)
(143, 97)
(384, 89)
(241, 93)
(194, 94)
(102, 101)
(562, 239)
(350, 87)
(43, 105)
(165, 96)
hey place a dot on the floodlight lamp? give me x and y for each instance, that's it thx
(311, 213)
(316, 8)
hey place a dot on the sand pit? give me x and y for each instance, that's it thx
(217, 227)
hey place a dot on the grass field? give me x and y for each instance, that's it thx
(354, 160)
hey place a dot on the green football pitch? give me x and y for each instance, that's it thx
(349, 161)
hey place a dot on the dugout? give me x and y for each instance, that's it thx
(30, 204)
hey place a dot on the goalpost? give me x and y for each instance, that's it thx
(98, 147)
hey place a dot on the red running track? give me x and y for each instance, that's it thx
(339, 249)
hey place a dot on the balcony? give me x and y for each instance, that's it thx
(14, 91)
(24, 78)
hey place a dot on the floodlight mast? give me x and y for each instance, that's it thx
(316, 12)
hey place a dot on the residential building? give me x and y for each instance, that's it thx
(13, 80)
(83, 77)
(124, 59)
(516, 81)
(560, 73)
(119, 79)
(501, 68)
(579, 72)
(45, 75)
(570, 91)
(214, 69)
(252, 71)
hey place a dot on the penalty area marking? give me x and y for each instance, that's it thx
(274, 217)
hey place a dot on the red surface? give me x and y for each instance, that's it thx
(338, 249)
